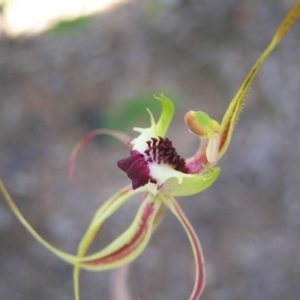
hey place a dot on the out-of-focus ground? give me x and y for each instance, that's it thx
(100, 71)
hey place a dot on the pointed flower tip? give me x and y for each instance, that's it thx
(236, 105)
(160, 97)
(166, 115)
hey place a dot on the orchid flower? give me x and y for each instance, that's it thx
(160, 174)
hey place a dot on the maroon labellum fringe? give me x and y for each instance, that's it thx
(161, 150)
(136, 169)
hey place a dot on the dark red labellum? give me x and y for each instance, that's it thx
(136, 169)
(160, 151)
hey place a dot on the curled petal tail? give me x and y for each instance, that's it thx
(76, 150)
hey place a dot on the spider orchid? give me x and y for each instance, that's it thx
(160, 174)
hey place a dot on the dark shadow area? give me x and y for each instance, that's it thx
(101, 71)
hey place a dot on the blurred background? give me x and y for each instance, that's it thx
(67, 67)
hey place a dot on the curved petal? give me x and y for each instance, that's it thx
(106, 210)
(130, 243)
(67, 257)
(159, 216)
(70, 258)
(166, 115)
(196, 247)
(190, 184)
(156, 130)
(76, 150)
(236, 105)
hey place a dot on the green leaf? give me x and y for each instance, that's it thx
(71, 26)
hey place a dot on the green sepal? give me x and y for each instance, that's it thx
(166, 115)
(130, 243)
(235, 107)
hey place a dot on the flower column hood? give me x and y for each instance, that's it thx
(155, 164)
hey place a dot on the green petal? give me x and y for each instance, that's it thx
(106, 210)
(157, 129)
(236, 105)
(128, 245)
(166, 115)
(191, 183)
(70, 258)
(67, 257)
